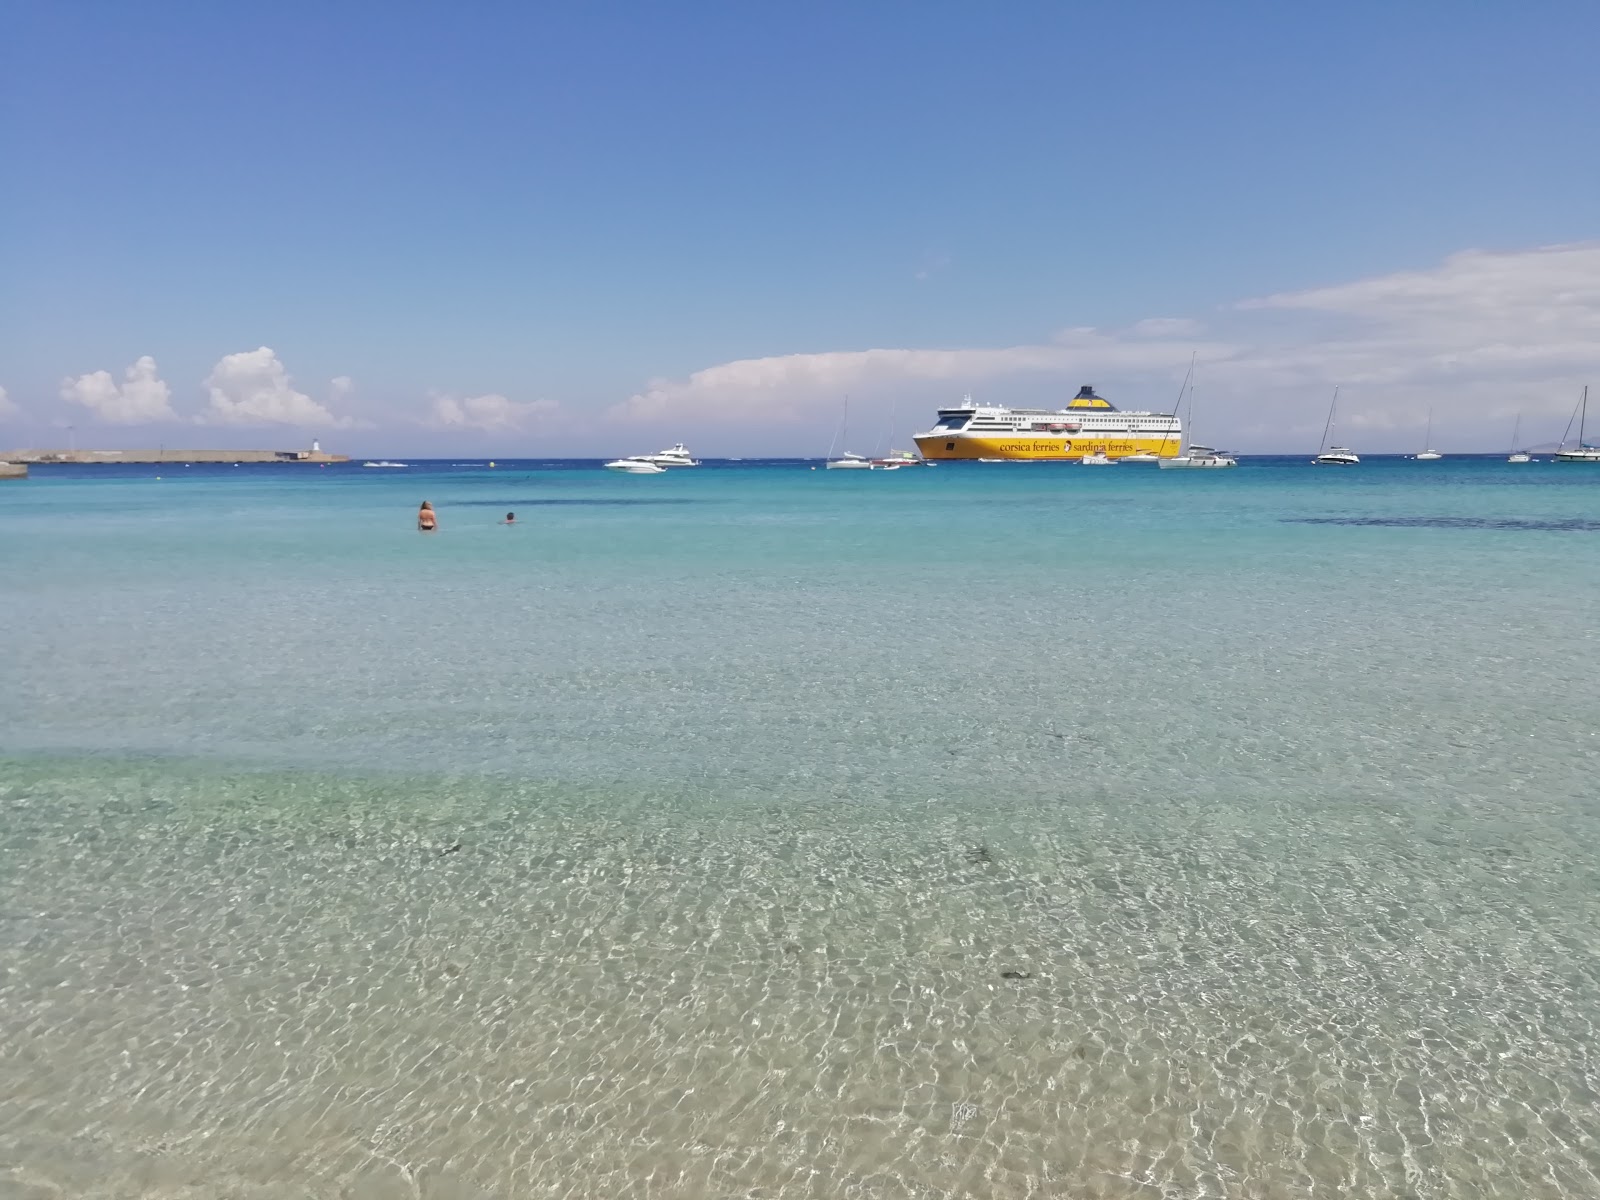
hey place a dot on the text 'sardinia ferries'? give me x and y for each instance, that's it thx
(1089, 424)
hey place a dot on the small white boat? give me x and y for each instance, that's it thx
(1334, 456)
(900, 458)
(385, 463)
(1141, 457)
(1097, 459)
(1580, 452)
(1200, 458)
(636, 466)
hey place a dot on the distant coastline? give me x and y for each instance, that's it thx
(79, 457)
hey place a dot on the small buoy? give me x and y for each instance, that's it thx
(491, 464)
(158, 477)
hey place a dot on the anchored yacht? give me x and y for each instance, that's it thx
(1581, 452)
(1200, 457)
(673, 456)
(636, 466)
(1334, 456)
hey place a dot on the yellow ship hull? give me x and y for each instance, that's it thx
(1039, 448)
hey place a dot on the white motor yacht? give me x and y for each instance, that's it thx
(1337, 456)
(636, 466)
(1098, 459)
(673, 456)
(1141, 457)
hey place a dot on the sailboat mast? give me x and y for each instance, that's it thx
(1427, 442)
(1516, 428)
(1328, 428)
(1583, 415)
(1177, 404)
(1188, 419)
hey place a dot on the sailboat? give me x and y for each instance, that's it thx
(1428, 454)
(1195, 456)
(850, 462)
(1517, 456)
(896, 459)
(1580, 452)
(1334, 456)
(1145, 456)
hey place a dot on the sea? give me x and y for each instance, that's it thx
(757, 830)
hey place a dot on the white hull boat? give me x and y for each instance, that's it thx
(1334, 456)
(1518, 456)
(635, 466)
(850, 462)
(1427, 453)
(1579, 453)
(672, 456)
(1200, 458)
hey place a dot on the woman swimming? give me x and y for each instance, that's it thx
(426, 521)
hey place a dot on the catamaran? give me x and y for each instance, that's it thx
(1334, 456)
(1580, 452)
(1195, 456)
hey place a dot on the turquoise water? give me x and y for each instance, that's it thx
(762, 831)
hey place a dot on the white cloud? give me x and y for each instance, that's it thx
(1163, 327)
(140, 398)
(253, 388)
(9, 408)
(1478, 338)
(492, 413)
(788, 387)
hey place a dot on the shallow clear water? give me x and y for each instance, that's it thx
(1013, 831)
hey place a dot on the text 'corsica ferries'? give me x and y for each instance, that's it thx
(1089, 424)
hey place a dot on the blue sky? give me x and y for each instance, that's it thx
(523, 229)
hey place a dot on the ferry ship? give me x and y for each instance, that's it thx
(1089, 424)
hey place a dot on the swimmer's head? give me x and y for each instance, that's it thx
(510, 517)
